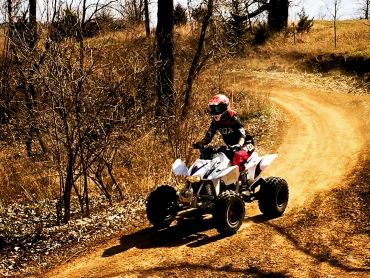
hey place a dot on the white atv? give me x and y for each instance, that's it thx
(214, 186)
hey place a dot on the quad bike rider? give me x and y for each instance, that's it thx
(222, 180)
(239, 144)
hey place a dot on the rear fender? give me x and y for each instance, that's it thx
(267, 160)
(258, 164)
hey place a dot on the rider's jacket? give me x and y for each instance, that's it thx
(230, 127)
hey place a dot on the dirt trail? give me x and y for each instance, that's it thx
(320, 147)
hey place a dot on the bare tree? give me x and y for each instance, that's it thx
(132, 10)
(333, 8)
(250, 9)
(85, 110)
(5, 66)
(364, 8)
(196, 64)
(22, 37)
(70, 100)
(277, 12)
(322, 13)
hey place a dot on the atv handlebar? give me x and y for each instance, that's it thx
(198, 146)
(207, 152)
(215, 150)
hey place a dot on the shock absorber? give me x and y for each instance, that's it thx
(210, 191)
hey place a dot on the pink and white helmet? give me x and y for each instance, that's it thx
(218, 106)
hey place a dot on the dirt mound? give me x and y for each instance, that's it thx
(353, 64)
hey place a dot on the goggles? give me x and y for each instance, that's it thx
(217, 109)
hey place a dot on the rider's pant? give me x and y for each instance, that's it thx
(240, 157)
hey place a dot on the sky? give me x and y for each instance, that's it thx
(318, 9)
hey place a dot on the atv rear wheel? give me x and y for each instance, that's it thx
(273, 197)
(229, 212)
(162, 206)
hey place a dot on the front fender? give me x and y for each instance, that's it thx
(179, 168)
(229, 175)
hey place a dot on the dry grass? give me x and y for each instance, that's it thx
(24, 178)
(118, 37)
(353, 38)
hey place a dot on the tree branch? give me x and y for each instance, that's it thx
(195, 67)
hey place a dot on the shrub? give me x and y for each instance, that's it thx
(236, 27)
(92, 28)
(235, 34)
(261, 33)
(179, 15)
(304, 23)
(66, 26)
(198, 13)
(105, 21)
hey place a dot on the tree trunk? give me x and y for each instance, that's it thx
(86, 190)
(335, 33)
(278, 14)
(5, 67)
(9, 11)
(115, 183)
(33, 24)
(165, 59)
(68, 190)
(30, 90)
(146, 12)
(336, 3)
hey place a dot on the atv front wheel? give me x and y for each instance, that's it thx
(162, 206)
(273, 197)
(229, 212)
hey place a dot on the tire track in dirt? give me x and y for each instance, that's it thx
(321, 144)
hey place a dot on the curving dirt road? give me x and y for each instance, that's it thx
(321, 146)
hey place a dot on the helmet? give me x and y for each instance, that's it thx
(218, 106)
